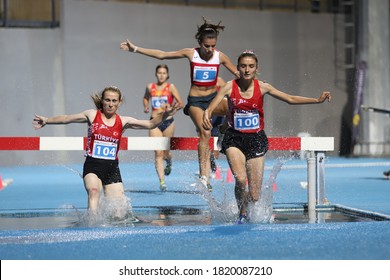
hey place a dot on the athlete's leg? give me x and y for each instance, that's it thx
(168, 132)
(236, 160)
(93, 186)
(196, 115)
(115, 196)
(255, 171)
(159, 155)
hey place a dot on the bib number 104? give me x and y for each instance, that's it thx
(104, 150)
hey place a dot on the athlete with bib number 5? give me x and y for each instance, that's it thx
(245, 142)
(105, 129)
(205, 61)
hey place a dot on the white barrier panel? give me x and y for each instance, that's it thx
(317, 144)
(151, 143)
(61, 143)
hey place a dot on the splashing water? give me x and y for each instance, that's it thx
(225, 211)
(112, 212)
(70, 209)
(261, 210)
(73, 170)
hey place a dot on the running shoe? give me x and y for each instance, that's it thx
(205, 184)
(242, 219)
(387, 174)
(168, 167)
(163, 186)
(127, 220)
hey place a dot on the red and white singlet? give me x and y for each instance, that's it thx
(204, 73)
(103, 141)
(246, 115)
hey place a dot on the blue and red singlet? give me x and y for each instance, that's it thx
(160, 97)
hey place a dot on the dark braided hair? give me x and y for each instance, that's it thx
(208, 30)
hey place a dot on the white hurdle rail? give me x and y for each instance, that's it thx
(316, 146)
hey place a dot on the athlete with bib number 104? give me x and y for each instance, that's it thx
(101, 167)
(205, 62)
(245, 142)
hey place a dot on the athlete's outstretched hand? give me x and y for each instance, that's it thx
(169, 111)
(325, 95)
(39, 121)
(128, 46)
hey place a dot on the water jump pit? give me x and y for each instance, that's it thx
(154, 214)
(37, 220)
(180, 216)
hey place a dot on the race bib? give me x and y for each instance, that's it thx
(246, 121)
(158, 101)
(104, 150)
(204, 73)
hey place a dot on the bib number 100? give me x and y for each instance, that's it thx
(246, 121)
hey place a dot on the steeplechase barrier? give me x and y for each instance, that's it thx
(315, 146)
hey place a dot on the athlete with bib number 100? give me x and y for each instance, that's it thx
(205, 62)
(105, 129)
(245, 142)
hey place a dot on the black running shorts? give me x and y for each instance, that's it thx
(202, 102)
(106, 170)
(252, 145)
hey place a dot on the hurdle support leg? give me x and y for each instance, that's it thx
(316, 179)
(311, 179)
(320, 178)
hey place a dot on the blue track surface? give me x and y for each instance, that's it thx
(356, 183)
